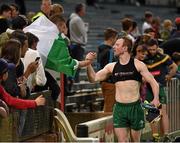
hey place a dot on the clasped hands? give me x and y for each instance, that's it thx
(91, 56)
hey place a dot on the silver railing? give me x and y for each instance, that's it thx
(173, 104)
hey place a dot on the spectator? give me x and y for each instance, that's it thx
(127, 27)
(5, 15)
(32, 40)
(15, 10)
(12, 101)
(148, 20)
(16, 82)
(150, 32)
(156, 26)
(163, 69)
(19, 22)
(56, 9)
(22, 37)
(176, 59)
(60, 22)
(11, 53)
(30, 15)
(38, 77)
(135, 30)
(166, 29)
(140, 53)
(4, 37)
(176, 33)
(45, 9)
(105, 56)
(78, 34)
(22, 6)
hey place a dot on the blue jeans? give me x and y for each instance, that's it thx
(77, 52)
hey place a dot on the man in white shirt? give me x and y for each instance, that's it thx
(38, 77)
(127, 27)
(148, 20)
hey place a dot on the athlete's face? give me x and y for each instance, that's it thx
(119, 47)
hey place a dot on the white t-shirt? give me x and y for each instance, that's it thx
(145, 26)
(38, 77)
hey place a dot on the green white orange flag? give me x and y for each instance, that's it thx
(52, 46)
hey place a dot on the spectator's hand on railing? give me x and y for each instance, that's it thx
(40, 100)
(168, 77)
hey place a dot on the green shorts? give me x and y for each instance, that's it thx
(162, 95)
(130, 115)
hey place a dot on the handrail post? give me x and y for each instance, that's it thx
(62, 91)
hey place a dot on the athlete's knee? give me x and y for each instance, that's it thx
(123, 139)
(135, 136)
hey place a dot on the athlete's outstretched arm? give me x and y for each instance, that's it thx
(99, 76)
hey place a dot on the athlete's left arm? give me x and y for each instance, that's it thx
(141, 67)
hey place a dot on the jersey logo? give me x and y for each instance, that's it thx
(155, 73)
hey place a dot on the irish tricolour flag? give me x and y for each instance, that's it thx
(52, 46)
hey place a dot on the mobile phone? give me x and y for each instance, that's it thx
(37, 59)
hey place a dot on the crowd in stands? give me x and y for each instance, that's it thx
(22, 71)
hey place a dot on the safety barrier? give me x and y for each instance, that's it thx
(101, 128)
(173, 105)
(37, 121)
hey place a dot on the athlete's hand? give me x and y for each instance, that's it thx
(90, 56)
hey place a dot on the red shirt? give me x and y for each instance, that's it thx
(16, 102)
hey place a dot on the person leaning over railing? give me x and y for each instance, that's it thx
(163, 69)
(12, 101)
